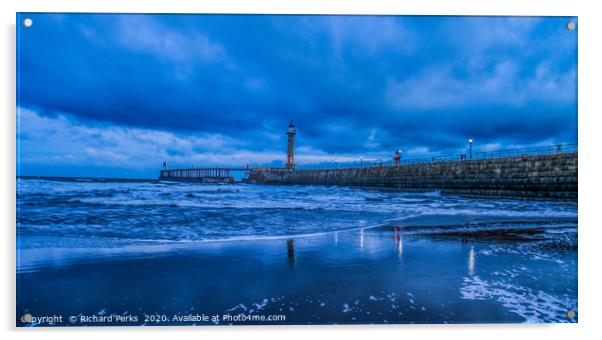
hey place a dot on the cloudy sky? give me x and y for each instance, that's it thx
(116, 95)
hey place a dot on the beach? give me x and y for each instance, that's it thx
(180, 254)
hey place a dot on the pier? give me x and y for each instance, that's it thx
(200, 175)
(548, 172)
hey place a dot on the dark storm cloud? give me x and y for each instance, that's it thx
(352, 84)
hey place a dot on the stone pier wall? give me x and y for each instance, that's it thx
(544, 176)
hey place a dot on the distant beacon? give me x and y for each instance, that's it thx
(290, 157)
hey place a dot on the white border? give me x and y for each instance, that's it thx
(590, 57)
(443, 7)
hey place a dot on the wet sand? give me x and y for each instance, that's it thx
(431, 269)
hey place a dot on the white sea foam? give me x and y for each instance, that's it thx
(184, 212)
(534, 306)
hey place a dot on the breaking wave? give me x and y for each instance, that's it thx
(164, 211)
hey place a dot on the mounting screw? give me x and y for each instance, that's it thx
(570, 26)
(26, 318)
(571, 314)
(27, 22)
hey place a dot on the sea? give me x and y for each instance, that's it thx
(149, 252)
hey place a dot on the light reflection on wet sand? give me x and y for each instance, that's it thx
(365, 276)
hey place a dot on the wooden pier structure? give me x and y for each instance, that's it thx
(200, 175)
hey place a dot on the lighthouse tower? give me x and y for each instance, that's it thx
(290, 157)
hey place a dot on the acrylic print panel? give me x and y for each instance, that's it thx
(265, 169)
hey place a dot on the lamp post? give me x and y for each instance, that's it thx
(335, 163)
(470, 148)
(361, 161)
(397, 157)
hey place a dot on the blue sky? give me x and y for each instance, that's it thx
(115, 95)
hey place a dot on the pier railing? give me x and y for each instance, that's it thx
(201, 175)
(476, 155)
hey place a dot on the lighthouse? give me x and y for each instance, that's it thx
(290, 157)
